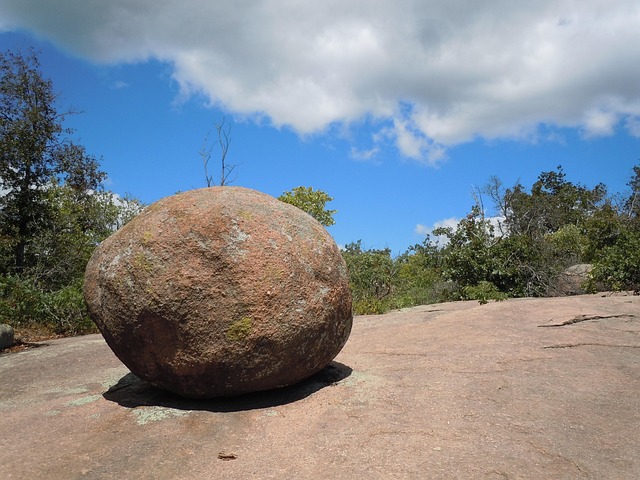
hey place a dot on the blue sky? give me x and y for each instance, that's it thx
(396, 109)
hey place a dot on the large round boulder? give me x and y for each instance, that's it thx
(220, 291)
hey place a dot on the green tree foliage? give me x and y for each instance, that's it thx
(49, 292)
(371, 274)
(552, 203)
(483, 292)
(545, 231)
(477, 261)
(53, 208)
(418, 277)
(632, 203)
(539, 234)
(467, 256)
(613, 244)
(311, 201)
(380, 282)
(34, 154)
(618, 266)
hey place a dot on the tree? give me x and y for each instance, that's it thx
(34, 155)
(418, 276)
(311, 201)
(224, 142)
(53, 207)
(544, 231)
(371, 275)
(552, 203)
(632, 204)
(467, 257)
(78, 225)
(614, 242)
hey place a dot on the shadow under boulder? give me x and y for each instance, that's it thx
(132, 392)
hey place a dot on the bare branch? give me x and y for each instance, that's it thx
(224, 142)
(205, 154)
(224, 139)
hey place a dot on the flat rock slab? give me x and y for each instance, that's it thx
(522, 389)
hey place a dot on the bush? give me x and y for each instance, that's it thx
(369, 306)
(483, 292)
(67, 311)
(617, 267)
(24, 305)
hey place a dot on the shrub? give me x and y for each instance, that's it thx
(369, 306)
(24, 305)
(483, 292)
(617, 267)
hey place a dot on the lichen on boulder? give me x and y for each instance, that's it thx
(221, 291)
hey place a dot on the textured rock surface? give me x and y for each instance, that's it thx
(571, 281)
(6, 336)
(439, 392)
(221, 291)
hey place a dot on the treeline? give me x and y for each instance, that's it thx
(54, 209)
(520, 251)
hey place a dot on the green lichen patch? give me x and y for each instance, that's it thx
(84, 400)
(146, 415)
(147, 237)
(245, 215)
(239, 330)
(273, 273)
(142, 263)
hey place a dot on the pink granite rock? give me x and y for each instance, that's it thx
(221, 291)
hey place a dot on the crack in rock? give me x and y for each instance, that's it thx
(585, 318)
(590, 344)
(556, 455)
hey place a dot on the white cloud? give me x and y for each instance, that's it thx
(422, 229)
(436, 73)
(119, 85)
(368, 155)
(497, 222)
(451, 222)
(600, 123)
(633, 126)
(500, 228)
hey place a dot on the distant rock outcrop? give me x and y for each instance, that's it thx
(221, 291)
(6, 336)
(571, 280)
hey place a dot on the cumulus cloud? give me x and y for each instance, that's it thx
(497, 222)
(451, 222)
(368, 155)
(431, 73)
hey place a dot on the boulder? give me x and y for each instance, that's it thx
(6, 336)
(571, 281)
(220, 291)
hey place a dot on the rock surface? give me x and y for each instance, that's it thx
(523, 389)
(221, 291)
(572, 279)
(6, 336)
